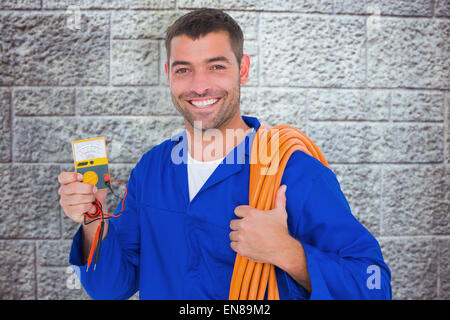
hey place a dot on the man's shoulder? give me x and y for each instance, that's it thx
(306, 167)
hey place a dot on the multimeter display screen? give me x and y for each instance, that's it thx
(87, 150)
(91, 161)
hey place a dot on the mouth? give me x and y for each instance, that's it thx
(204, 103)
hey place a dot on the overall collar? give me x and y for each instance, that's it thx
(232, 164)
(180, 140)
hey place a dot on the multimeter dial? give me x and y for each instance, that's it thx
(91, 149)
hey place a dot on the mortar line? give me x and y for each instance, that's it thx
(160, 61)
(75, 103)
(158, 116)
(307, 113)
(438, 272)
(366, 76)
(281, 87)
(11, 96)
(446, 155)
(258, 74)
(165, 115)
(258, 35)
(60, 216)
(381, 208)
(434, 9)
(390, 107)
(286, 12)
(163, 84)
(35, 271)
(110, 50)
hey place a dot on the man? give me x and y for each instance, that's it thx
(187, 210)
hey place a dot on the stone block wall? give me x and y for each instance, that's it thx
(367, 80)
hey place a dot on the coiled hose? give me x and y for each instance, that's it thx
(271, 150)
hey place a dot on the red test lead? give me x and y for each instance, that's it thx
(100, 215)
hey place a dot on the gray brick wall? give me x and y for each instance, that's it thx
(367, 80)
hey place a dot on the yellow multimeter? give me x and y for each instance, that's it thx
(91, 160)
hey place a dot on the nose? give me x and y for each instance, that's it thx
(200, 83)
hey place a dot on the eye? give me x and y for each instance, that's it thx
(218, 67)
(181, 70)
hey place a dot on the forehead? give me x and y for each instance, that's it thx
(212, 44)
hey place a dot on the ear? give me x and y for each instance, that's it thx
(166, 68)
(245, 69)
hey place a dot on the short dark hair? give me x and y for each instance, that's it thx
(200, 22)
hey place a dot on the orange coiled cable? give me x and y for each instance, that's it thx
(271, 150)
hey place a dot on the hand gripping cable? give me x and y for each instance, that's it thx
(250, 279)
(100, 215)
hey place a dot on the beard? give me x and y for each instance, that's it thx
(221, 114)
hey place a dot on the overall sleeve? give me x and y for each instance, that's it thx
(116, 273)
(344, 260)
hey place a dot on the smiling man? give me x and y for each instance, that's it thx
(205, 68)
(204, 78)
(185, 220)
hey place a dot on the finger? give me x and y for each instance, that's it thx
(242, 211)
(101, 192)
(234, 236)
(280, 198)
(77, 188)
(101, 195)
(234, 246)
(69, 177)
(79, 199)
(76, 216)
(76, 212)
(235, 224)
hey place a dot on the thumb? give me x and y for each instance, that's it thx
(280, 198)
(101, 195)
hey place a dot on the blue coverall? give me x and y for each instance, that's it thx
(167, 247)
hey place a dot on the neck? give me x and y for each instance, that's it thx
(216, 143)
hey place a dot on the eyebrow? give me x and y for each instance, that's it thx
(215, 59)
(221, 58)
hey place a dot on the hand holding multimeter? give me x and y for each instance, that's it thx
(79, 189)
(77, 197)
(83, 193)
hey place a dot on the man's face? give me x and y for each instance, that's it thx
(204, 79)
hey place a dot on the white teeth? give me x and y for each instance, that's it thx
(204, 103)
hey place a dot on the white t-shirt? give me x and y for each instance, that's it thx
(198, 173)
